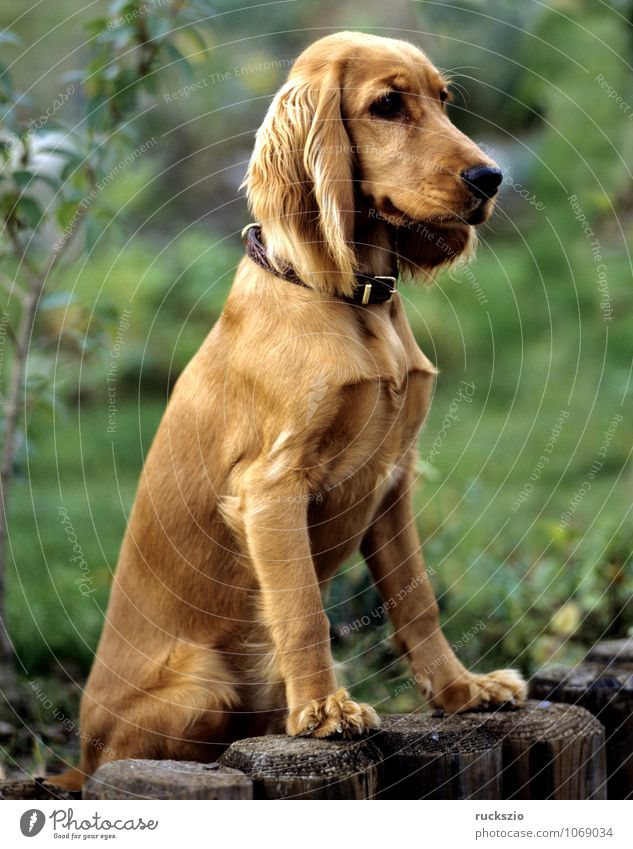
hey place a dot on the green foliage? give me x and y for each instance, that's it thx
(55, 185)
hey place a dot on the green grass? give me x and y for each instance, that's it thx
(92, 475)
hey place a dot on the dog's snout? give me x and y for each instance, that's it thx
(482, 181)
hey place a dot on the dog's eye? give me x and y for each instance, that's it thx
(444, 95)
(388, 106)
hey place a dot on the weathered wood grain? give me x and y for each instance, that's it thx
(606, 690)
(303, 768)
(427, 757)
(149, 779)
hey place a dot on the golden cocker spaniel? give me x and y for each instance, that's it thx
(289, 441)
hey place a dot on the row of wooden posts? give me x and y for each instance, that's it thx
(572, 740)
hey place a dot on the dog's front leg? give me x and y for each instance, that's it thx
(275, 520)
(392, 550)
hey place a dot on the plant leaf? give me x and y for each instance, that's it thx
(29, 212)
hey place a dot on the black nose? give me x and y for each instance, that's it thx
(483, 181)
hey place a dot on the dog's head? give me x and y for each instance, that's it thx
(358, 140)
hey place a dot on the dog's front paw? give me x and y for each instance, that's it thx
(335, 714)
(471, 691)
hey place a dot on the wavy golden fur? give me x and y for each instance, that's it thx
(290, 439)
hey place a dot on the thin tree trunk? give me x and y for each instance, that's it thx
(21, 340)
(30, 298)
(8, 684)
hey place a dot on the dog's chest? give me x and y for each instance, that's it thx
(370, 443)
(380, 414)
(361, 459)
(375, 430)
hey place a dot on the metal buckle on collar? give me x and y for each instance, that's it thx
(393, 282)
(244, 233)
(368, 287)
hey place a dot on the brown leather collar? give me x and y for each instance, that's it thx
(369, 290)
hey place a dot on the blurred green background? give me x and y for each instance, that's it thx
(538, 327)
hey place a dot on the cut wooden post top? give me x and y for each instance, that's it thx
(434, 733)
(158, 779)
(278, 754)
(612, 651)
(602, 683)
(303, 767)
(541, 719)
(479, 729)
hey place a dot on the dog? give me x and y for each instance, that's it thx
(289, 441)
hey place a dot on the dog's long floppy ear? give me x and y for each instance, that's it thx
(423, 248)
(299, 183)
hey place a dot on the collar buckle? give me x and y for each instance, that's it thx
(244, 233)
(391, 280)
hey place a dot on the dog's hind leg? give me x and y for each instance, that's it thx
(182, 709)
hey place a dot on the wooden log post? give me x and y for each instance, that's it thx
(612, 652)
(283, 767)
(539, 751)
(37, 789)
(606, 690)
(550, 751)
(147, 779)
(426, 757)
